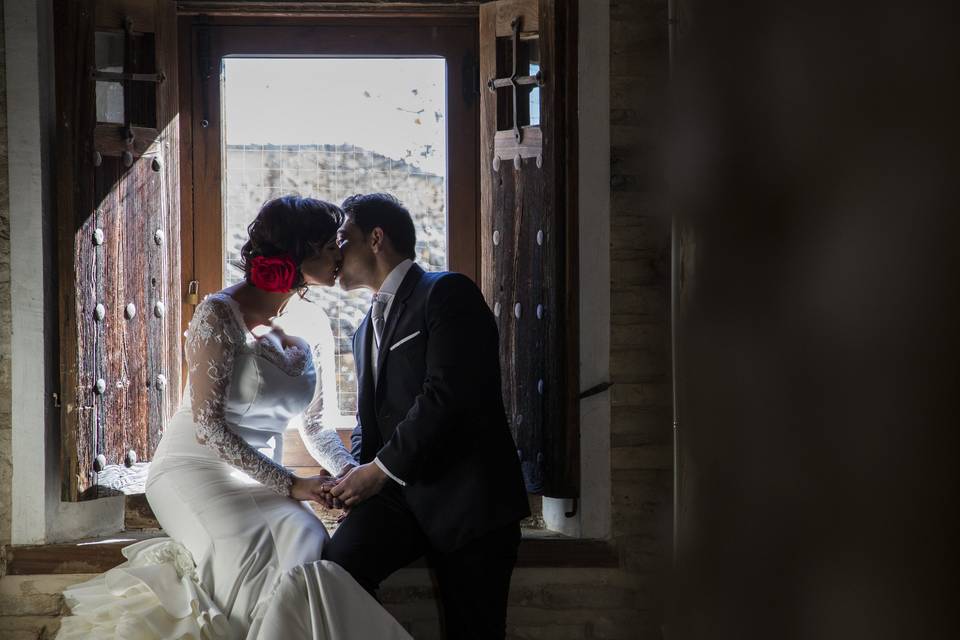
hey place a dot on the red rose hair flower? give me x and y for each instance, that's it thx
(275, 274)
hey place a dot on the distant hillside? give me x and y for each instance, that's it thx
(257, 173)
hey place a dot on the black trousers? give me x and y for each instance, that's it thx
(381, 535)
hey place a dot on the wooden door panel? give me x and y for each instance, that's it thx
(117, 189)
(527, 214)
(132, 331)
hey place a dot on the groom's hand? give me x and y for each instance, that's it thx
(359, 484)
(328, 501)
(324, 498)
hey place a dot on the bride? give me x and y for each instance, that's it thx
(243, 557)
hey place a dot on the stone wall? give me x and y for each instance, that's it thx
(641, 432)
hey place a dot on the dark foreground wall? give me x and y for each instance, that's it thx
(814, 168)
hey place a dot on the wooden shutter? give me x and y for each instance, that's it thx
(118, 235)
(528, 228)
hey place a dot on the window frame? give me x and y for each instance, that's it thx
(205, 41)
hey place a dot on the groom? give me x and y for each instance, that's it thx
(438, 475)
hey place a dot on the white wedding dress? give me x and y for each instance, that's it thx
(243, 558)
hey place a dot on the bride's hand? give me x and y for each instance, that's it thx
(312, 488)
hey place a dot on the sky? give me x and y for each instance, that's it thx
(393, 106)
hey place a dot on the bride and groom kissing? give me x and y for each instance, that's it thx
(432, 470)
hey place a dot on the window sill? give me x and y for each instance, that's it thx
(101, 554)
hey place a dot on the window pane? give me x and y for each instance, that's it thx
(108, 47)
(108, 50)
(534, 99)
(528, 96)
(142, 101)
(330, 128)
(505, 94)
(110, 102)
(529, 54)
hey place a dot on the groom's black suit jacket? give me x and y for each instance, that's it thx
(436, 419)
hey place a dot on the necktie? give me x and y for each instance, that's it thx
(376, 314)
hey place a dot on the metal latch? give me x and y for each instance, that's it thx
(193, 293)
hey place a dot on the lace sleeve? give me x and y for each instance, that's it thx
(324, 444)
(211, 345)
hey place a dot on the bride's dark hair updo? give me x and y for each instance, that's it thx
(290, 225)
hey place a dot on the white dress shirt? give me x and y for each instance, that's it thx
(389, 288)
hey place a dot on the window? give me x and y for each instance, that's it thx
(357, 126)
(328, 108)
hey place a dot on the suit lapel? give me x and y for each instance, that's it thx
(396, 312)
(362, 363)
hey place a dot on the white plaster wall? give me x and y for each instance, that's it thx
(592, 519)
(38, 514)
(26, 269)
(6, 453)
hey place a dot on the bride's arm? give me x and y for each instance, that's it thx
(324, 444)
(211, 346)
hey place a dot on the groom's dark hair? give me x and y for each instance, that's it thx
(370, 210)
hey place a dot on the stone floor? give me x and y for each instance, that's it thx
(562, 588)
(556, 604)
(31, 606)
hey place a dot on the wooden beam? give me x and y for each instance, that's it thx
(507, 10)
(168, 99)
(110, 140)
(102, 554)
(110, 15)
(84, 556)
(137, 514)
(488, 127)
(76, 114)
(321, 8)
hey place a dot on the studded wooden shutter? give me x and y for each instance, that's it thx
(528, 228)
(118, 238)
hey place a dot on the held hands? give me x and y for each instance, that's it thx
(314, 488)
(327, 500)
(355, 485)
(317, 488)
(359, 484)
